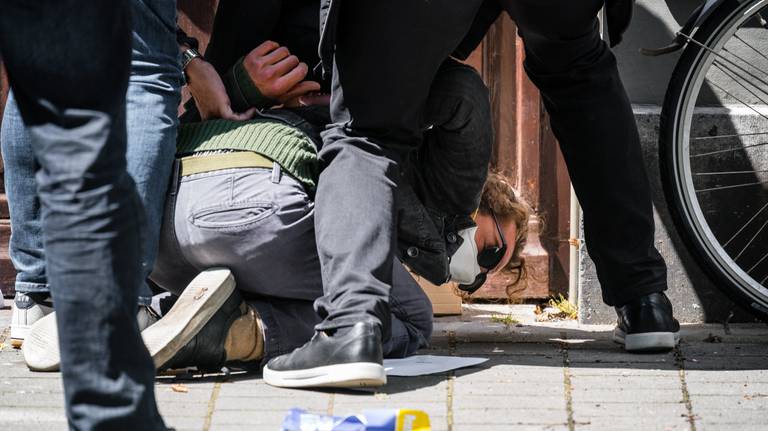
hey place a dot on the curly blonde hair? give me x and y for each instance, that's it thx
(500, 197)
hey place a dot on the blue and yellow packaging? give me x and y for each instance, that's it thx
(370, 420)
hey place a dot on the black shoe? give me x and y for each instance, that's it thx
(351, 357)
(196, 305)
(647, 324)
(206, 350)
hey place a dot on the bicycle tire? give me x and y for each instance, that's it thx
(719, 22)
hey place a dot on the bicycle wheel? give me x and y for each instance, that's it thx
(714, 150)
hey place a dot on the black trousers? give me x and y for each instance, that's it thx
(387, 55)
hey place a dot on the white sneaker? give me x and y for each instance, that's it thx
(194, 308)
(41, 350)
(27, 309)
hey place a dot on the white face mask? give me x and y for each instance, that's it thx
(464, 266)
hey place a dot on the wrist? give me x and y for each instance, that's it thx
(188, 57)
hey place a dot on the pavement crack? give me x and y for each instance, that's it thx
(450, 384)
(567, 382)
(680, 362)
(331, 400)
(211, 406)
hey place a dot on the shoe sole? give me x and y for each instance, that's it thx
(647, 341)
(353, 375)
(41, 345)
(197, 304)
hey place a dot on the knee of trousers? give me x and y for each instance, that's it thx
(469, 96)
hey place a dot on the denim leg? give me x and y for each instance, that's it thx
(387, 53)
(594, 124)
(92, 223)
(152, 101)
(26, 245)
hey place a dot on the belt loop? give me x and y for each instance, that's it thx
(276, 173)
(175, 173)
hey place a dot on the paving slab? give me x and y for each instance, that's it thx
(540, 376)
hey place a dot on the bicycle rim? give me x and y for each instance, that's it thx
(720, 150)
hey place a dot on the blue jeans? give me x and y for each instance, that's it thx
(70, 87)
(152, 100)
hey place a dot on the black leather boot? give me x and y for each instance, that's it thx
(350, 357)
(647, 324)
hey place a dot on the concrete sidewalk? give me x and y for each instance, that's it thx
(541, 376)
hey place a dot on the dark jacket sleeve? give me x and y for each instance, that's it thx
(487, 14)
(618, 14)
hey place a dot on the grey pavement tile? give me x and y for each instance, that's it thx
(182, 422)
(22, 426)
(183, 409)
(520, 376)
(42, 417)
(584, 355)
(26, 385)
(666, 382)
(729, 405)
(224, 403)
(724, 349)
(627, 395)
(724, 363)
(635, 423)
(255, 420)
(585, 411)
(719, 426)
(507, 349)
(741, 389)
(613, 370)
(510, 416)
(480, 400)
(510, 427)
(495, 390)
(598, 365)
(726, 376)
(31, 400)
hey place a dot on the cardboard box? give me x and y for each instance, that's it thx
(444, 300)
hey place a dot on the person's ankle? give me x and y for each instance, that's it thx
(245, 341)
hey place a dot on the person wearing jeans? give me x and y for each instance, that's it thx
(152, 99)
(70, 88)
(384, 56)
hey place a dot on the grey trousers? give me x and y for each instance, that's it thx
(260, 223)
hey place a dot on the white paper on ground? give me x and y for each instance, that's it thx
(422, 365)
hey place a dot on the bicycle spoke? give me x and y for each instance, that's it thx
(758, 263)
(757, 51)
(742, 102)
(745, 225)
(730, 73)
(709, 153)
(729, 172)
(736, 135)
(697, 43)
(751, 240)
(734, 186)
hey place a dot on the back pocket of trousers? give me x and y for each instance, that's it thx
(232, 215)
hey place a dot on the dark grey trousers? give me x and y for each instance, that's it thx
(260, 223)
